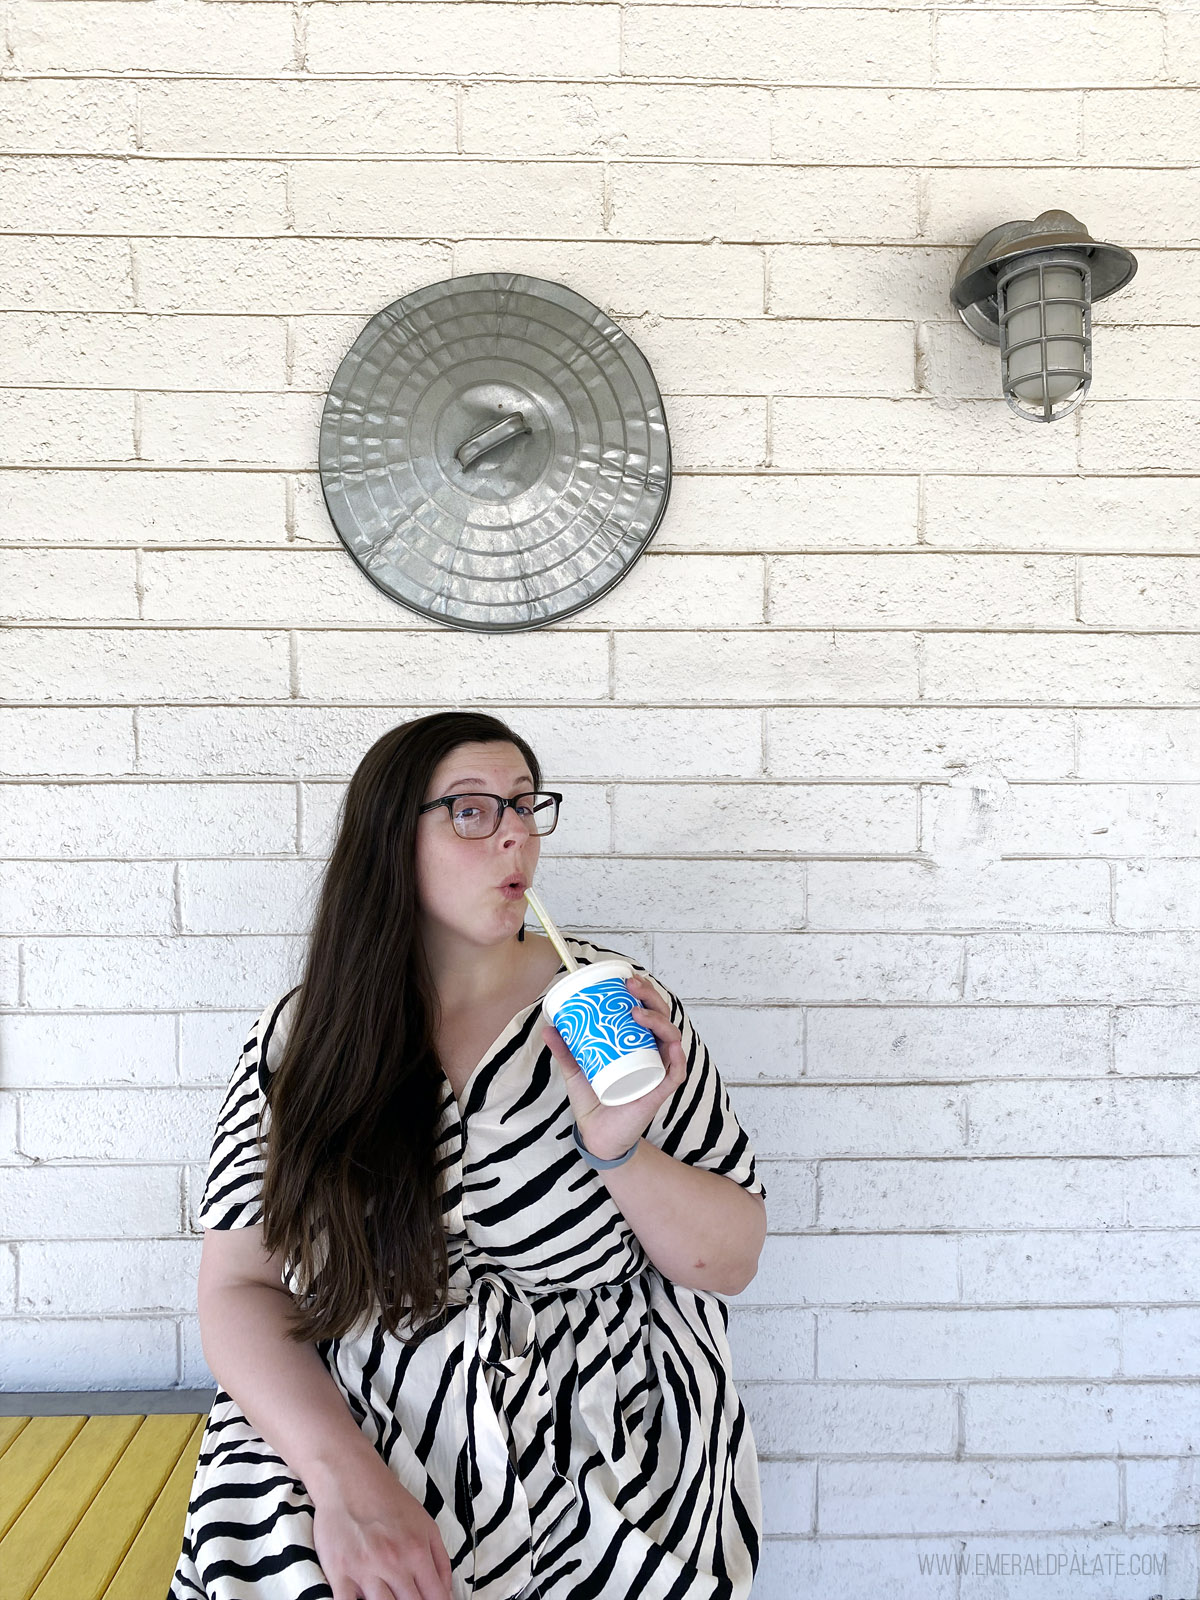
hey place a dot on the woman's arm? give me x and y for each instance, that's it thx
(281, 1387)
(700, 1229)
(367, 1526)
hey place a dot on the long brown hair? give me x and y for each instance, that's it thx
(350, 1193)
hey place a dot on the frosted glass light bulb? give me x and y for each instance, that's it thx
(1021, 295)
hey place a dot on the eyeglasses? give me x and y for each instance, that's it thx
(477, 816)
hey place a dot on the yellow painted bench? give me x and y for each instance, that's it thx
(92, 1502)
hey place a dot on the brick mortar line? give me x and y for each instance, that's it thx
(749, 83)
(449, 241)
(1043, 708)
(610, 241)
(1182, 1077)
(868, 1160)
(663, 82)
(584, 158)
(655, 320)
(918, 550)
(776, 630)
(134, 779)
(291, 545)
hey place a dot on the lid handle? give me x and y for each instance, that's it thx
(488, 438)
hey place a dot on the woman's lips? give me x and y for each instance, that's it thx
(513, 891)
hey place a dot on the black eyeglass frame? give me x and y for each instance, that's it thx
(448, 800)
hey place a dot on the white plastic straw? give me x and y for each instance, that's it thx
(552, 933)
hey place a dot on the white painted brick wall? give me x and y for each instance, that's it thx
(884, 756)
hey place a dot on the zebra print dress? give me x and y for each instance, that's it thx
(571, 1424)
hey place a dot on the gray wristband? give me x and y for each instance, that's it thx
(595, 1161)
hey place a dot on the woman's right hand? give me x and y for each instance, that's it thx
(375, 1540)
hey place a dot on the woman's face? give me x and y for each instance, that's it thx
(474, 888)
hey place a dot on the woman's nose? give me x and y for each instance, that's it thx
(512, 829)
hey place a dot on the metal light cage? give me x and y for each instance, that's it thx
(1051, 405)
(982, 295)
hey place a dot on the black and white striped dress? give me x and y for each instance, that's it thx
(571, 1424)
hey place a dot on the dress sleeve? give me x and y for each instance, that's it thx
(235, 1168)
(698, 1124)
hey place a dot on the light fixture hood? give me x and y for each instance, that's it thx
(974, 292)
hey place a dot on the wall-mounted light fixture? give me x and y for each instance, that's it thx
(1029, 287)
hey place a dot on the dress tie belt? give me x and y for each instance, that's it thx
(519, 1486)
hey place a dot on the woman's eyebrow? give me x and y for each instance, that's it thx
(458, 782)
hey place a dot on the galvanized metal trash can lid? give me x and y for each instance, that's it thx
(494, 451)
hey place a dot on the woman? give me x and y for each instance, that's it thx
(461, 1314)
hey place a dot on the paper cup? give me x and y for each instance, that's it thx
(591, 1010)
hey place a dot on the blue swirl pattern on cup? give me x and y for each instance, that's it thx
(597, 1028)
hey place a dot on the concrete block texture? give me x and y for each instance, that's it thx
(883, 756)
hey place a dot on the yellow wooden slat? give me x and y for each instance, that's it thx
(87, 1562)
(148, 1568)
(32, 1455)
(10, 1427)
(47, 1522)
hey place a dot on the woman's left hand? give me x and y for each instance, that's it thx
(608, 1131)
